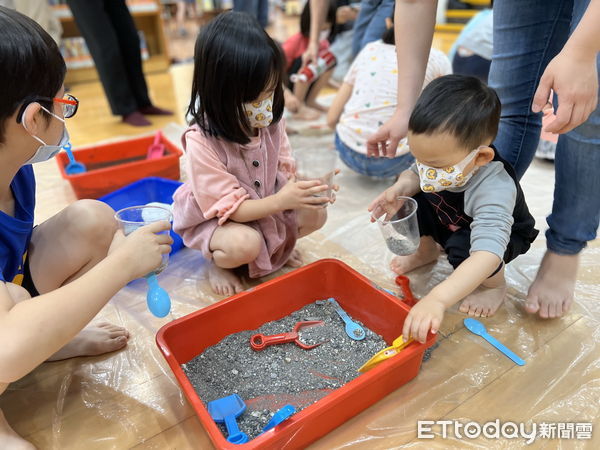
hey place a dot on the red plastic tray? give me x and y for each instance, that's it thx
(186, 337)
(124, 162)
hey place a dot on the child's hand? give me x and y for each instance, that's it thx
(387, 203)
(141, 251)
(301, 194)
(426, 315)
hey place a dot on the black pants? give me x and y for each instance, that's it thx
(457, 244)
(110, 34)
(474, 66)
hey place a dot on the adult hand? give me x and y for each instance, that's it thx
(311, 54)
(574, 79)
(384, 142)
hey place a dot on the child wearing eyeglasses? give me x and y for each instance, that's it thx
(469, 201)
(55, 277)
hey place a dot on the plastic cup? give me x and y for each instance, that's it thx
(134, 217)
(401, 232)
(317, 164)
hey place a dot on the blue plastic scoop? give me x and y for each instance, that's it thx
(226, 410)
(74, 167)
(280, 416)
(476, 327)
(158, 300)
(353, 330)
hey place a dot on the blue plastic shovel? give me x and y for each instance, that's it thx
(74, 167)
(476, 327)
(226, 410)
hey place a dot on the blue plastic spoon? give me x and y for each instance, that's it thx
(353, 330)
(158, 300)
(476, 327)
(74, 167)
(280, 416)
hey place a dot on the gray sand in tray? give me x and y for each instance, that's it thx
(281, 374)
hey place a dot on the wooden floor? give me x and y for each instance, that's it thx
(129, 399)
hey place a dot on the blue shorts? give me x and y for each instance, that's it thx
(372, 167)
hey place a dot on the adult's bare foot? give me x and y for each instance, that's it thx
(551, 293)
(94, 340)
(224, 281)
(9, 439)
(427, 252)
(295, 259)
(483, 301)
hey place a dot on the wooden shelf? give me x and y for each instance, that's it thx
(147, 18)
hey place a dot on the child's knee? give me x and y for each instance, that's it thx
(312, 222)
(92, 220)
(17, 293)
(243, 246)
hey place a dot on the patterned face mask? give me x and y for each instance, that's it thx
(260, 114)
(433, 179)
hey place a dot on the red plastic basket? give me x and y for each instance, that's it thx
(112, 166)
(184, 338)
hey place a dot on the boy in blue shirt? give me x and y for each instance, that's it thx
(54, 278)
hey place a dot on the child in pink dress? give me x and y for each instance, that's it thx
(242, 205)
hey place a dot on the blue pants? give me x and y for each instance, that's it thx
(526, 38)
(256, 8)
(370, 23)
(372, 167)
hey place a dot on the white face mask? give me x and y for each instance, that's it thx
(433, 179)
(323, 35)
(45, 151)
(260, 114)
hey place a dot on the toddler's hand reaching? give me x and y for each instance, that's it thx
(426, 315)
(141, 251)
(302, 194)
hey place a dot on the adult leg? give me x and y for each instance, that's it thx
(376, 26)
(102, 41)
(129, 44)
(65, 247)
(525, 40)
(575, 212)
(367, 10)
(233, 245)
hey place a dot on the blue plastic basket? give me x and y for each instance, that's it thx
(146, 190)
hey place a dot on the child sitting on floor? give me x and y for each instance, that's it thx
(469, 201)
(368, 98)
(54, 278)
(301, 96)
(242, 205)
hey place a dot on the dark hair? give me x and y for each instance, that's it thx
(31, 63)
(305, 18)
(234, 61)
(389, 36)
(464, 106)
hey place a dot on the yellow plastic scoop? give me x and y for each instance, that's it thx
(384, 354)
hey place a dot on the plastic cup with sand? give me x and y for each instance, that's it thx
(401, 230)
(129, 220)
(316, 164)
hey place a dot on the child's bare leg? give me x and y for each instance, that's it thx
(65, 247)
(487, 298)
(551, 293)
(309, 221)
(427, 252)
(320, 83)
(233, 245)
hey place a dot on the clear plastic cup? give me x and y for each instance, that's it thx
(316, 164)
(401, 232)
(134, 217)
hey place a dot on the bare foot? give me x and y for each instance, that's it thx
(10, 439)
(306, 113)
(295, 259)
(483, 301)
(427, 252)
(317, 106)
(94, 340)
(224, 281)
(551, 293)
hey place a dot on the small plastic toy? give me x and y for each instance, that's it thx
(156, 150)
(476, 327)
(353, 330)
(325, 61)
(260, 341)
(226, 410)
(280, 416)
(407, 295)
(384, 354)
(74, 167)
